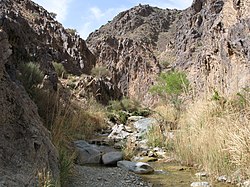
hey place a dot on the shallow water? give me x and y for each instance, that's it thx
(174, 175)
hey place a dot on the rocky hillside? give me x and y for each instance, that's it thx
(35, 36)
(209, 41)
(129, 47)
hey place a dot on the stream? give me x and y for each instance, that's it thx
(174, 175)
(166, 174)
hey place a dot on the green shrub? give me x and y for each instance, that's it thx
(170, 86)
(119, 111)
(31, 75)
(100, 71)
(60, 70)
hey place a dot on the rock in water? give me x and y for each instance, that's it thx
(136, 167)
(86, 153)
(112, 158)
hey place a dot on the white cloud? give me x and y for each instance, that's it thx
(60, 7)
(97, 17)
(96, 12)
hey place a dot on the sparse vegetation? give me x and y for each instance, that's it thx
(100, 71)
(121, 110)
(66, 164)
(129, 150)
(71, 31)
(155, 137)
(60, 70)
(66, 120)
(71, 122)
(30, 76)
(216, 136)
(53, 15)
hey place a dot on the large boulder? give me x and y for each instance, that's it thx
(119, 132)
(112, 158)
(136, 167)
(143, 125)
(87, 153)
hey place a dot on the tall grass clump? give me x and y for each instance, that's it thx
(45, 179)
(155, 137)
(216, 136)
(30, 76)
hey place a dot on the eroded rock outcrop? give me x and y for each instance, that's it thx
(25, 147)
(36, 36)
(127, 47)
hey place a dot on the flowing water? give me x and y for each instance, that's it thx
(174, 175)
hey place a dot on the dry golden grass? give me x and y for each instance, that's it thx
(71, 123)
(216, 136)
(129, 150)
(166, 112)
(155, 137)
(45, 179)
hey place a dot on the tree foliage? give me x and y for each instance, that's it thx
(170, 86)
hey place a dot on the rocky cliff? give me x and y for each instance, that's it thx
(212, 44)
(128, 47)
(25, 147)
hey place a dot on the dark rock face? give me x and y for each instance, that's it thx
(36, 36)
(127, 45)
(102, 89)
(213, 45)
(25, 147)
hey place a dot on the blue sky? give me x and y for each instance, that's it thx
(88, 15)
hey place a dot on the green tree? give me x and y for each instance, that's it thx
(170, 86)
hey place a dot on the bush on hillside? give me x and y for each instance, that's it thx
(121, 110)
(30, 76)
(100, 71)
(60, 70)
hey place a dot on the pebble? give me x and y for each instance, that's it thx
(200, 184)
(201, 174)
(222, 178)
